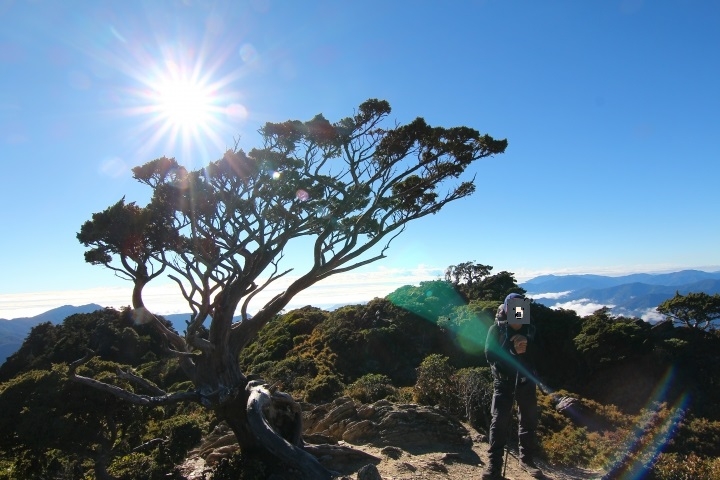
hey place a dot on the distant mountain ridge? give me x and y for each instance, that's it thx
(13, 332)
(561, 283)
(630, 295)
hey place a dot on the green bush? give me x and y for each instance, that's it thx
(182, 433)
(474, 388)
(698, 436)
(323, 388)
(434, 384)
(291, 372)
(403, 395)
(605, 340)
(371, 388)
(569, 447)
(685, 467)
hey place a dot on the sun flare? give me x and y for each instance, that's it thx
(184, 104)
(187, 106)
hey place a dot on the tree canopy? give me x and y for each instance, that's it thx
(474, 281)
(223, 231)
(695, 310)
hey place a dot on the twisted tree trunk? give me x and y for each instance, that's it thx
(268, 427)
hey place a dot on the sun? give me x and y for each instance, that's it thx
(186, 110)
(184, 104)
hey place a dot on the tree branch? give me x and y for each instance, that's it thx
(162, 399)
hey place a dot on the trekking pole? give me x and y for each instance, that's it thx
(507, 442)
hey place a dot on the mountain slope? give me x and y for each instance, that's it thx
(13, 332)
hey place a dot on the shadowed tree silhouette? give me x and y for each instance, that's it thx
(343, 190)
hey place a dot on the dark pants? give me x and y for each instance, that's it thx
(501, 411)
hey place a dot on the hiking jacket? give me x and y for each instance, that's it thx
(500, 351)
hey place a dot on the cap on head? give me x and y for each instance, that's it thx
(502, 309)
(512, 295)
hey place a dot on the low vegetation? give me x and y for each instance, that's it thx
(618, 394)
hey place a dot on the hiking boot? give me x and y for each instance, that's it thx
(529, 467)
(492, 472)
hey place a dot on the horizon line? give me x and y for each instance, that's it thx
(357, 288)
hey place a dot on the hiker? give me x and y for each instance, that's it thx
(509, 350)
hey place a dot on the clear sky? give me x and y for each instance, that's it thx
(611, 110)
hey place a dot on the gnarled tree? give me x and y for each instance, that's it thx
(222, 232)
(695, 310)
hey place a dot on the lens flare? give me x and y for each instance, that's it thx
(649, 437)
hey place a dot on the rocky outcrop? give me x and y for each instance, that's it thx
(331, 430)
(384, 424)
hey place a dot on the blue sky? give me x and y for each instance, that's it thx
(611, 110)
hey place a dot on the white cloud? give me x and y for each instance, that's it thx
(35, 303)
(550, 296)
(582, 307)
(651, 315)
(358, 286)
(347, 288)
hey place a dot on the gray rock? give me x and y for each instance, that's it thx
(369, 472)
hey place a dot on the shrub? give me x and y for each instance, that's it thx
(434, 384)
(568, 447)
(595, 444)
(699, 436)
(291, 372)
(371, 388)
(402, 395)
(680, 467)
(183, 433)
(323, 388)
(474, 387)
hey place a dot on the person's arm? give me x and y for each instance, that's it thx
(496, 352)
(491, 346)
(532, 347)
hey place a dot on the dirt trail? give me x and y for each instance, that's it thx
(432, 462)
(445, 462)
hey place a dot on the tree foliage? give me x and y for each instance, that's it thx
(46, 412)
(57, 428)
(347, 185)
(435, 381)
(467, 273)
(222, 231)
(605, 339)
(695, 310)
(475, 282)
(111, 334)
(429, 300)
(560, 363)
(309, 346)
